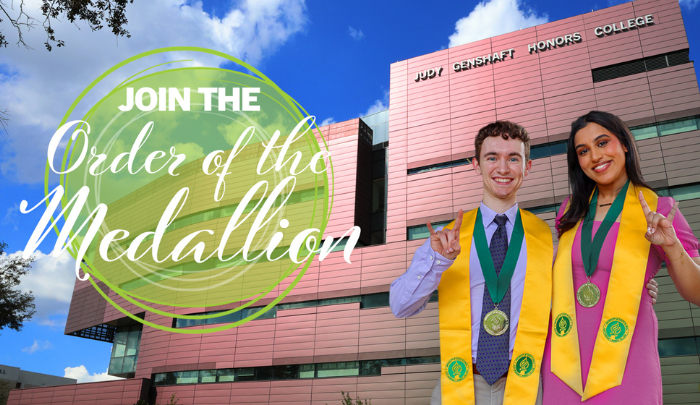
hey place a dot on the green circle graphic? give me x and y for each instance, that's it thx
(244, 187)
(562, 324)
(524, 365)
(615, 330)
(457, 369)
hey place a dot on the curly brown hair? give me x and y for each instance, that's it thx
(506, 130)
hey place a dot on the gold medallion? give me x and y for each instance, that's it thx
(588, 295)
(496, 322)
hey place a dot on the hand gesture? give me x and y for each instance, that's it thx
(446, 241)
(659, 228)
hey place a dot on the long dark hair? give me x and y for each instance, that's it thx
(581, 185)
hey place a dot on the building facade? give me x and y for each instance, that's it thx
(335, 331)
(18, 378)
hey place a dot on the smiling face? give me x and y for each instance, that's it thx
(502, 166)
(601, 155)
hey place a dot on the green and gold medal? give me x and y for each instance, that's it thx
(588, 295)
(496, 322)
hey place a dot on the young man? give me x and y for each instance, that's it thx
(493, 268)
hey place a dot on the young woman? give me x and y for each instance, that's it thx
(614, 234)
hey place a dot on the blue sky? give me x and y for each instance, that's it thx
(331, 56)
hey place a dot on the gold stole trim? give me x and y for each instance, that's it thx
(457, 383)
(621, 305)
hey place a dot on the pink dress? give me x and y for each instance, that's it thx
(641, 383)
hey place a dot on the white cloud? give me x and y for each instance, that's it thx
(51, 281)
(58, 323)
(379, 105)
(690, 4)
(81, 374)
(37, 87)
(494, 17)
(327, 121)
(11, 217)
(355, 34)
(38, 346)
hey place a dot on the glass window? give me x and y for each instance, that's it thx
(120, 339)
(286, 372)
(228, 211)
(165, 379)
(225, 375)
(271, 313)
(230, 318)
(207, 376)
(293, 305)
(543, 208)
(375, 300)
(370, 367)
(346, 368)
(129, 365)
(159, 379)
(115, 365)
(186, 323)
(423, 360)
(677, 347)
(663, 192)
(421, 231)
(132, 343)
(434, 297)
(378, 199)
(340, 300)
(539, 151)
(307, 370)
(683, 193)
(670, 128)
(186, 377)
(263, 373)
(245, 374)
(644, 132)
(557, 148)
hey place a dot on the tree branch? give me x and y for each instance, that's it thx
(4, 119)
(28, 23)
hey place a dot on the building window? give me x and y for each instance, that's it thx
(437, 166)
(207, 376)
(686, 192)
(641, 65)
(421, 231)
(644, 132)
(677, 126)
(287, 372)
(543, 208)
(186, 377)
(341, 369)
(687, 346)
(125, 350)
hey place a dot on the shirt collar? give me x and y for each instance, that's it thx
(488, 215)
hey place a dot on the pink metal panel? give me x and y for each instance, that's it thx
(381, 266)
(290, 392)
(328, 390)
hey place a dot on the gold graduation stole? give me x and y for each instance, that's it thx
(625, 290)
(457, 382)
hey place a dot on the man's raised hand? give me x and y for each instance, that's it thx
(446, 241)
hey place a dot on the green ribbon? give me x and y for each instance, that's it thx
(590, 251)
(498, 284)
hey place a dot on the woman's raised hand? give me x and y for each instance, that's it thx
(659, 228)
(446, 241)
